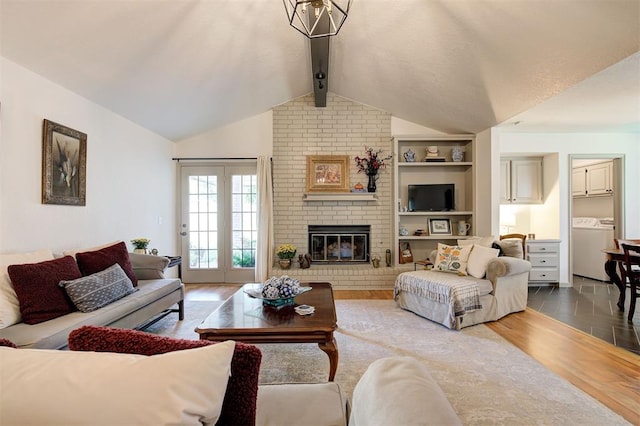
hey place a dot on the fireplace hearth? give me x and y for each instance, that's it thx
(339, 244)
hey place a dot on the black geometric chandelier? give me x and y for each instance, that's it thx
(317, 18)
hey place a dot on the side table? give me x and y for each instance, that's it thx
(175, 261)
(425, 263)
(544, 256)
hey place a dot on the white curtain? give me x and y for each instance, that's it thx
(264, 255)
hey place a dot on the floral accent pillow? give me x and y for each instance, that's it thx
(452, 258)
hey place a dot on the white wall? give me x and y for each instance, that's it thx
(400, 127)
(247, 138)
(131, 180)
(253, 136)
(593, 206)
(552, 219)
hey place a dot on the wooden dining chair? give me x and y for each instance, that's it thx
(632, 267)
(517, 236)
(621, 265)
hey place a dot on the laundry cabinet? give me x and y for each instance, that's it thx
(593, 180)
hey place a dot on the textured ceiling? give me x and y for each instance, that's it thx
(180, 68)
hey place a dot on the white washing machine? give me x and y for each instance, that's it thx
(590, 236)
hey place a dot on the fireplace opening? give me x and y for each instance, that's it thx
(339, 243)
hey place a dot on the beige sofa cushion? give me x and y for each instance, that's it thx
(50, 387)
(306, 404)
(400, 391)
(147, 266)
(479, 259)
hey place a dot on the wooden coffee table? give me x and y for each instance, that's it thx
(245, 319)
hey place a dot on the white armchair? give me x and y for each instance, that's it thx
(435, 295)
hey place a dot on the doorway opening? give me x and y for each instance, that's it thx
(596, 211)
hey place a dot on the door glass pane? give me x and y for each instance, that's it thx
(203, 222)
(244, 232)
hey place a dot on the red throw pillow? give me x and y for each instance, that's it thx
(91, 262)
(7, 343)
(239, 406)
(36, 285)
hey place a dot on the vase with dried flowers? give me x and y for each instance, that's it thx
(370, 164)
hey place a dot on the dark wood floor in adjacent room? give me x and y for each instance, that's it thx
(589, 306)
(608, 373)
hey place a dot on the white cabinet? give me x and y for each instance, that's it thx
(441, 169)
(599, 179)
(544, 256)
(593, 180)
(579, 182)
(521, 181)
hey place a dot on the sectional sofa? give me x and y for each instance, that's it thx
(29, 288)
(151, 379)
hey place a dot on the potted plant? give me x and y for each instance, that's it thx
(140, 245)
(285, 253)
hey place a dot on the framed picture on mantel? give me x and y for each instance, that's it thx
(327, 173)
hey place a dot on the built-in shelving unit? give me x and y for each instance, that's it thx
(459, 173)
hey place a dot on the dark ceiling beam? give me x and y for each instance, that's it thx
(320, 69)
(320, 64)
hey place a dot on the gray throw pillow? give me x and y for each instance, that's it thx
(512, 247)
(100, 289)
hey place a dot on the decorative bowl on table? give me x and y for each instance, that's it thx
(278, 291)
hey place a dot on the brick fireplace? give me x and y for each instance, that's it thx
(343, 127)
(339, 244)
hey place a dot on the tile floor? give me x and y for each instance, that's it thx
(590, 306)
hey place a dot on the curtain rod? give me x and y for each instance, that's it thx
(178, 159)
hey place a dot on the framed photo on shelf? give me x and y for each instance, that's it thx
(64, 165)
(440, 227)
(327, 173)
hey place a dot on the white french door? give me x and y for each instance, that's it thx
(218, 223)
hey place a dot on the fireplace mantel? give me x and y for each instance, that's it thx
(339, 196)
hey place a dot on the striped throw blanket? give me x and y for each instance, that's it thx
(460, 293)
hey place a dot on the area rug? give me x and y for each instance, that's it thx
(487, 380)
(194, 312)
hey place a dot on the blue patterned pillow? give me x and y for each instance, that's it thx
(97, 290)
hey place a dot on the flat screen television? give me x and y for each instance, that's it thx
(432, 197)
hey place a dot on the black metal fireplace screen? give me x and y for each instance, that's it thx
(339, 243)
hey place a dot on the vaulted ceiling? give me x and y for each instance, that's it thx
(180, 68)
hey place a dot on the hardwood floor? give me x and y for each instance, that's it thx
(608, 373)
